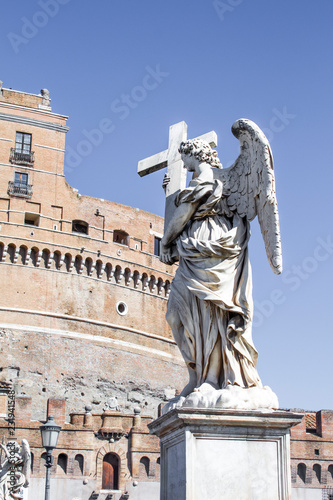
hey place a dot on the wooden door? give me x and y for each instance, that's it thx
(110, 472)
(108, 476)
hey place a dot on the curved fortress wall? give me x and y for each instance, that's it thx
(83, 294)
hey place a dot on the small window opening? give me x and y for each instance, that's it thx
(122, 308)
(31, 219)
(79, 226)
(62, 463)
(121, 237)
(157, 246)
(316, 452)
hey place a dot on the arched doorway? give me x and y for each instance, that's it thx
(110, 479)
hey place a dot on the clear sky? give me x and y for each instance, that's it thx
(132, 68)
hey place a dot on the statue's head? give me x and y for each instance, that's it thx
(200, 150)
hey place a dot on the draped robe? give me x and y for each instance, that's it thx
(211, 294)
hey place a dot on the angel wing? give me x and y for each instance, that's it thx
(250, 186)
(26, 456)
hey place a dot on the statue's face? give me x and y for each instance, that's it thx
(190, 162)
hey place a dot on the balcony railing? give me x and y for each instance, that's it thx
(21, 158)
(19, 189)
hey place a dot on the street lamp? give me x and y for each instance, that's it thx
(50, 432)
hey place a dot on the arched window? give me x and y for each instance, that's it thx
(34, 256)
(11, 252)
(42, 461)
(330, 473)
(68, 261)
(23, 254)
(78, 264)
(46, 257)
(157, 468)
(88, 265)
(110, 472)
(144, 467)
(62, 463)
(57, 258)
(80, 226)
(121, 237)
(301, 472)
(108, 270)
(78, 464)
(317, 472)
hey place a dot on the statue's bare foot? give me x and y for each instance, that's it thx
(206, 387)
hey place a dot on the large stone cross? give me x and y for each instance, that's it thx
(171, 159)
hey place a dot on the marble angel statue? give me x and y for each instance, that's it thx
(15, 464)
(210, 307)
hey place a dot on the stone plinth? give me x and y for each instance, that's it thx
(210, 454)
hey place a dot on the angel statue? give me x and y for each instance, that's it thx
(14, 469)
(210, 307)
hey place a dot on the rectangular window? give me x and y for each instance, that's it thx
(23, 143)
(21, 179)
(157, 245)
(31, 219)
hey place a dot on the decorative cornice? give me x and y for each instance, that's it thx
(35, 123)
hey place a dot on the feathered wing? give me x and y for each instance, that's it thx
(26, 456)
(250, 187)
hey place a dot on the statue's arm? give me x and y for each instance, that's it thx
(182, 214)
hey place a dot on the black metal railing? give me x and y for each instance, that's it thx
(21, 158)
(19, 189)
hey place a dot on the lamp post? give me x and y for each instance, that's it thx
(50, 432)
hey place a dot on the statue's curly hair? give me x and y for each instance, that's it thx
(201, 150)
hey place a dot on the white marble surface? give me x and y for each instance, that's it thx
(225, 454)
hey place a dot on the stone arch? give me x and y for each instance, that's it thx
(23, 252)
(89, 266)
(78, 264)
(108, 271)
(68, 262)
(152, 283)
(57, 259)
(123, 471)
(136, 278)
(62, 463)
(330, 473)
(317, 473)
(99, 268)
(34, 256)
(78, 465)
(11, 253)
(144, 468)
(46, 257)
(157, 468)
(301, 471)
(167, 288)
(145, 281)
(128, 276)
(118, 273)
(2, 248)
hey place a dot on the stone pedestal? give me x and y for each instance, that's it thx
(210, 454)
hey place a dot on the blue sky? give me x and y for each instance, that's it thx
(131, 69)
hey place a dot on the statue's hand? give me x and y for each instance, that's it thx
(166, 180)
(165, 254)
